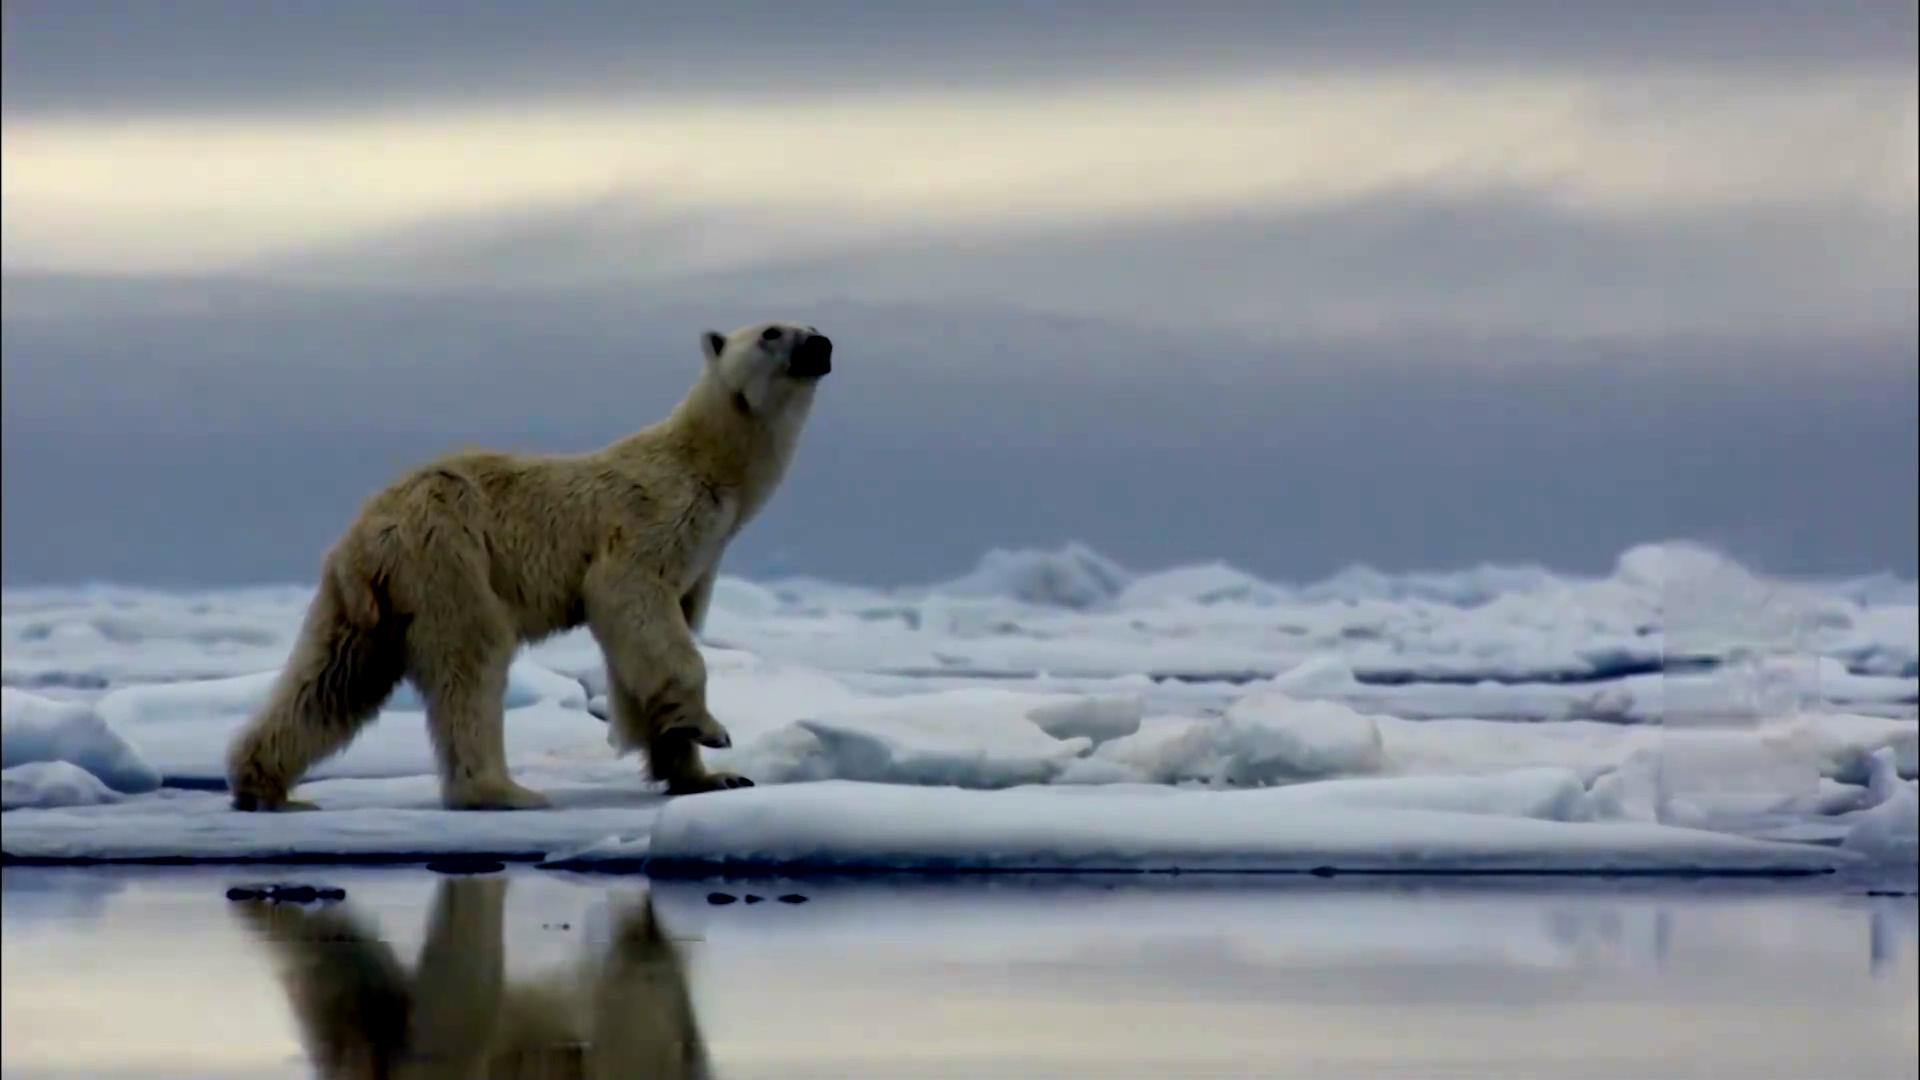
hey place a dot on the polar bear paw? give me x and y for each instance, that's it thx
(716, 781)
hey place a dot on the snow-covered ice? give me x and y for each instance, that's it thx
(38, 730)
(51, 783)
(839, 825)
(1054, 707)
(1537, 820)
(1888, 829)
(1264, 738)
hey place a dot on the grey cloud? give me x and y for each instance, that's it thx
(1507, 261)
(1399, 264)
(222, 432)
(1744, 377)
(252, 56)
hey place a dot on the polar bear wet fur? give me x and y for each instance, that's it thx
(447, 571)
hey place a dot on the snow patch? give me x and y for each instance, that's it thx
(1075, 577)
(1266, 738)
(1272, 738)
(1096, 718)
(36, 729)
(1889, 832)
(1205, 585)
(52, 783)
(843, 825)
(979, 738)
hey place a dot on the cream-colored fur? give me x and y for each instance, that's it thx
(624, 1012)
(446, 572)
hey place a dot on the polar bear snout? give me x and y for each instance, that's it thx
(812, 358)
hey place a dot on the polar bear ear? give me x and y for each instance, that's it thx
(711, 344)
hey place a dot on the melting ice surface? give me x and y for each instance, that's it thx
(571, 974)
(1054, 711)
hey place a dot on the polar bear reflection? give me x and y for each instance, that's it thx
(622, 1013)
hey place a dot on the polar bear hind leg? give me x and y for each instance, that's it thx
(459, 650)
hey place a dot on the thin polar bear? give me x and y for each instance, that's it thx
(447, 571)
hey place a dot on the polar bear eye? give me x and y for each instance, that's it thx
(771, 333)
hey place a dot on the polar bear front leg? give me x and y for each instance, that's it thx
(656, 680)
(670, 728)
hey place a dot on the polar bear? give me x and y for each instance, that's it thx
(623, 1011)
(447, 571)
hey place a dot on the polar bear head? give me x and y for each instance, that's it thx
(769, 367)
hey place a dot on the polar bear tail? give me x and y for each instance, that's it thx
(350, 654)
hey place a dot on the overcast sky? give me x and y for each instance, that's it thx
(1298, 286)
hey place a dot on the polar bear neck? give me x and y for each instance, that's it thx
(731, 448)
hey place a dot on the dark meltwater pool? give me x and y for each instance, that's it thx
(158, 973)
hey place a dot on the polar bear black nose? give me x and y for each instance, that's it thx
(812, 358)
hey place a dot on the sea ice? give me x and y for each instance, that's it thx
(844, 825)
(1493, 696)
(1888, 829)
(982, 737)
(44, 784)
(1075, 577)
(1263, 738)
(35, 729)
(378, 819)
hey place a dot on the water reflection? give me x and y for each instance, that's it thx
(64, 894)
(539, 973)
(624, 1011)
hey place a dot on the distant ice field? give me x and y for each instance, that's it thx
(1054, 711)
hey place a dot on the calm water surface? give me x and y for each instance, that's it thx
(156, 973)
